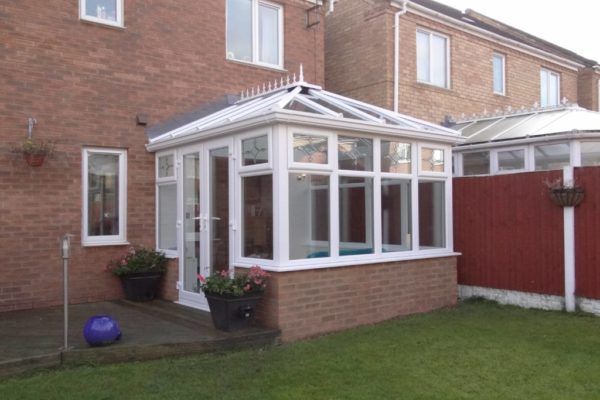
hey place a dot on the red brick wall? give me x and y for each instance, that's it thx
(588, 89)
(313, 302)
(360, 63)
(85, 83)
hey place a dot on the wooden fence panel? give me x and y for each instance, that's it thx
(587, 234)
(509, 232)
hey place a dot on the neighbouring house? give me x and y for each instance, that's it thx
(433, 61)
(94, 74)
(347, 204)
(526, 109)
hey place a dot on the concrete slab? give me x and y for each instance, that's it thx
(33, 338)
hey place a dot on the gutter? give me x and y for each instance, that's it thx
(403, 10)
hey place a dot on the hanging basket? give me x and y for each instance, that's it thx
(567, 196)
(34, 160)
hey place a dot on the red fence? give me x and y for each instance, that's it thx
(510, 233)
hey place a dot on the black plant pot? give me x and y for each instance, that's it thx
(141, 287)
(232, 313)
(567, 196)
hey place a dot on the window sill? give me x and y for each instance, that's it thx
(102, 23)
(500, 94)
(426, 85)
(262, 66)
(348, 261)
(108, 243)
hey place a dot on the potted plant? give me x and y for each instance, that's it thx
(233, 299)
(566, 194)
(34, 152)
(140, 270)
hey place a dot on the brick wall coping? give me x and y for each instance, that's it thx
(369, 259)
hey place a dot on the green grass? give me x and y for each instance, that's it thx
(479, 350)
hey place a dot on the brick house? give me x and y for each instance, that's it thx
(111, 82)
(85, 69)
(433, 61)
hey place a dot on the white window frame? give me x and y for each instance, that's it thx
(255, 35)
(331, 143)
(448, 61)
(558, 89)
(119, 23)
(268, 166)
(165, 181)
(495, 167)
(502, 57)
(462, 160)
(108, 240)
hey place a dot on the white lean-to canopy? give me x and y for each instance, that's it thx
(295, 101)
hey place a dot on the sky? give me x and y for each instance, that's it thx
(572, 24)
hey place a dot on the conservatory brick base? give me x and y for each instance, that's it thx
(313, 302)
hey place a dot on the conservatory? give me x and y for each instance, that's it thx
(299, 180)
(524, 140)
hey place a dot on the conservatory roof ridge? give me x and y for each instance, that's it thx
(509, 111)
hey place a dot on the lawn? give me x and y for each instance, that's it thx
(478, 350)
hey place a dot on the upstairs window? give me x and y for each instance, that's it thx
(109, 12)
(498, 63)
(432, 58)
(549, 88)
(255, 32)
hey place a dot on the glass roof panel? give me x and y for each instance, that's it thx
(462, 125)
(334, 108)
(530, 127)
(476, 127)
(492, 131)
(297, 106)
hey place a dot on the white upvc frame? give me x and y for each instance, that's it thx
(447, 151)
(550, 73)
(502, 57)
(239, 155)
(107, 240)
(120, 12)
(431, 33)
(495, 166)
(255, 35)
(165, 181)
(460, 167)
(331, 147)
(553, 143)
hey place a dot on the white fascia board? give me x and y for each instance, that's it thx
(294, 117)
(485, 34)
(573, 135)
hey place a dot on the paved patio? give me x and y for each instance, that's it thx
(32, 339)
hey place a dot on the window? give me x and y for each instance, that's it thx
(310, 149)
(499, 62)
(549, 88)
(590, 154)
(309, 216)
(356, 215)
(395, 157)
(257, 202)
(432, 160)
(355, 154)
(166, 208)
(432, 213)
(511, 160)
(396, 215)
(255, 32)
(255, 150)
(104, 197)
(432, 58)
(552, 156)
(476, 163)
(109, 12)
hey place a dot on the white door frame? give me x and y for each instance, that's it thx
(192, 299)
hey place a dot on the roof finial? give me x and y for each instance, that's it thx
(301, 77)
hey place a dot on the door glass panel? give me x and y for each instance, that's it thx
(219, 209)
(191, 213)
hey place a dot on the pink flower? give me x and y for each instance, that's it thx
(224, 273)
(247, 288)
(123, 262)
(201, 278)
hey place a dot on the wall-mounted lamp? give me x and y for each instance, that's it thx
(31, 123)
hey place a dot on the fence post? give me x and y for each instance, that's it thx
(569, 244)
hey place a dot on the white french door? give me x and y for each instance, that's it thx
(207, 214)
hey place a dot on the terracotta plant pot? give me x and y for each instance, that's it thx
(34, 160)
(567, 196)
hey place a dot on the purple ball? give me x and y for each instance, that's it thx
(101, 330)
